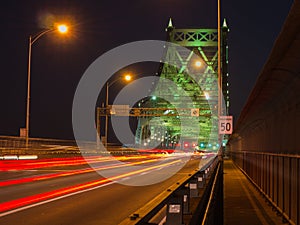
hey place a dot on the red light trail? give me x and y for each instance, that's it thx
(69, 173)
(42, 197)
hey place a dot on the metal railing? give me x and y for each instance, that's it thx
(277, 177)
(17, 145)
(12, 145)
(196, 188)
(214, 205)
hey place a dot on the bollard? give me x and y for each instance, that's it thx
(206, 173)
(201, 181)
(184, 193)
(193, 188)
(174, 211)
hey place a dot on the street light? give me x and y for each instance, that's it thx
(126, 77)
(198, 63)
(61, 28)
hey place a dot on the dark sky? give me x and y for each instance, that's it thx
(98, 26)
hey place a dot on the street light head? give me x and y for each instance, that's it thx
(62, 28)
(206, 95)
(198, 63)
(127, 77)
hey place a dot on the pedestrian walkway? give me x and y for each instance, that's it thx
(243, 204)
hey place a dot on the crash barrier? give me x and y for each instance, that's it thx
(15, 146)
(197, 199)
(212, 201)
(277, 177)
(10, 145)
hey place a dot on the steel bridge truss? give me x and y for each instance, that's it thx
(188, 80)
(182, 110)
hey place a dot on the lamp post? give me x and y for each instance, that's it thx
(127, 78)
(32, 39)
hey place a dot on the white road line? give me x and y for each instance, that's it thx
(71, 194)
(53, 199)
(163, 221)
(144, 173)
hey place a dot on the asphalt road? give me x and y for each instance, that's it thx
(107, 203)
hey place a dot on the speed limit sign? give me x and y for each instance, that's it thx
(225, 124)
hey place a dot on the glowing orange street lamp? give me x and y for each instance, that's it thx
(127, 78)
(61, 28)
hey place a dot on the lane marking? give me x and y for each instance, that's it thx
(64, 173)
(31, 201)
(162, 222)
(54, 199)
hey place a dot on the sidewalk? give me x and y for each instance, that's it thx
(243, 204)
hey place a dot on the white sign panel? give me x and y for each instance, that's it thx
(193, 186)
(225, 124)
(174, 208)
(120, 110)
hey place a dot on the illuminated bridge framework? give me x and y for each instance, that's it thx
(186, 116)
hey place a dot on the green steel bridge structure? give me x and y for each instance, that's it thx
(182, 110)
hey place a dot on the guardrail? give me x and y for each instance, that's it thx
(214, 207)
(277, 177)
(17, 145)
(11, 145)
(189, 201)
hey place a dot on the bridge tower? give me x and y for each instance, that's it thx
(184, 115)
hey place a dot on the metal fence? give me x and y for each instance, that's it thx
(17, 145)
(277, 176)
(214, 208)
(11, 145)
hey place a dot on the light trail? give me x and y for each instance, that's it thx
(70, 173)
(34, 164)
(43, 198)
(56, 162)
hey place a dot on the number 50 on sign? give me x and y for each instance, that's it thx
(225, 124)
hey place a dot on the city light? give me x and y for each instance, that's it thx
(127, 77)
(198, 63)
(62, 28)
(206, 95)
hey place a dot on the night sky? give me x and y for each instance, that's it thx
(98, 26)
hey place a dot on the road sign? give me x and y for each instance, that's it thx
(225, 124)
(194, 112)
(120, 110)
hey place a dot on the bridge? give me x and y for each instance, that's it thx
(254, 179)
(189, 80)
